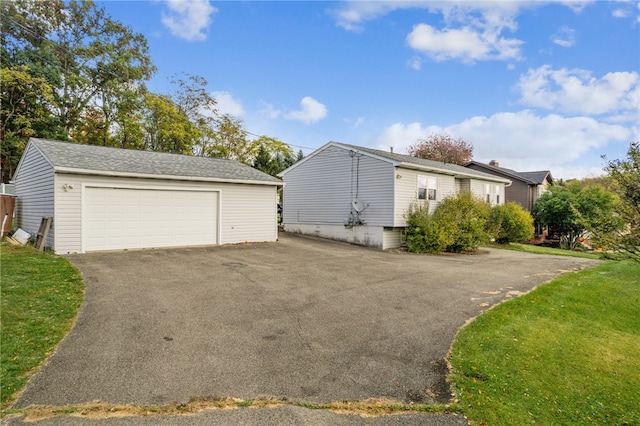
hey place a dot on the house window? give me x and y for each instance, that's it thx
(487, 193)
(427, 188)
(497, 194)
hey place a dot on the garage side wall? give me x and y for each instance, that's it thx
(34, 180)
(248, 213)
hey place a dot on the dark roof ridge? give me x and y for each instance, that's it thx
(525, 176)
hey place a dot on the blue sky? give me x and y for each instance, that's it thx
(534, 85)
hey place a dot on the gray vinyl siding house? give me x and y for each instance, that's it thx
(526, 187)
(320, 192)
(104, 198)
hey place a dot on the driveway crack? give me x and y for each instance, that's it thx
(298, 329)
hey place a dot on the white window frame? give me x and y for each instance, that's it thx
(427, 188)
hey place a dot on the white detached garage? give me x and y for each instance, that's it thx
(104, 198)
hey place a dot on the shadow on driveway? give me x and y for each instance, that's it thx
(300, 319)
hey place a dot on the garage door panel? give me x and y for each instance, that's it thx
(118, 218)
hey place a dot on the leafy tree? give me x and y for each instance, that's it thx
(571, 210)
(26, 102)
(166, 127)
(626, 175)
(98, 56)
(443, 147)
(92, 63)
(264, 161)
(274, 156)
(196, 103)
(229, 140)
(509, 223)
(128, 126)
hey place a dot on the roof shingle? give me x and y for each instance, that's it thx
(108, 160)
(436, 165)
(531, 178)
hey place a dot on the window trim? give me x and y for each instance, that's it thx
(427, 188)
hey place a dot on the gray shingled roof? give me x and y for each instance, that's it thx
(106, 160)
(437, 165)
(532, 178)
(537, 177)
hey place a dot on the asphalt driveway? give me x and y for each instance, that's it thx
(302, 319)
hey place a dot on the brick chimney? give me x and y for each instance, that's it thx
(494, 163)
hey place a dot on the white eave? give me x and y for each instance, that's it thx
(75, 171)
(451, 172)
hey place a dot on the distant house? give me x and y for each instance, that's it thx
(112, 199)
(360, 195)
(525, 188)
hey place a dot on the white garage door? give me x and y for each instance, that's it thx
(119, 218)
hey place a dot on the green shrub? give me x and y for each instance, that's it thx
(423, 233)
(465, 218)
(510, 223)
(457, 225)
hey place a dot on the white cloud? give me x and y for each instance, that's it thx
(270, 111)
(577, 91)
(401, 136)
(352, 14)
(311, 111)
(520, 140)
(355, 123)
(464, 43)
(565, 37)
(576, 5)
(620, 13)
(473, 30)
(415, 63)
(188, 19)
(226, 104)
(625, 9)
(359, 122)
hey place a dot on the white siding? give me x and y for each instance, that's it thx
(392, 238)
(320, 190)
(463, 185)
(35, 196)
(407, 191)
(248, 212)
(478, 189)
(68, 214)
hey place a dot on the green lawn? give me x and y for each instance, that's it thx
(531, 248)
(40, 294)
(566, 353)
